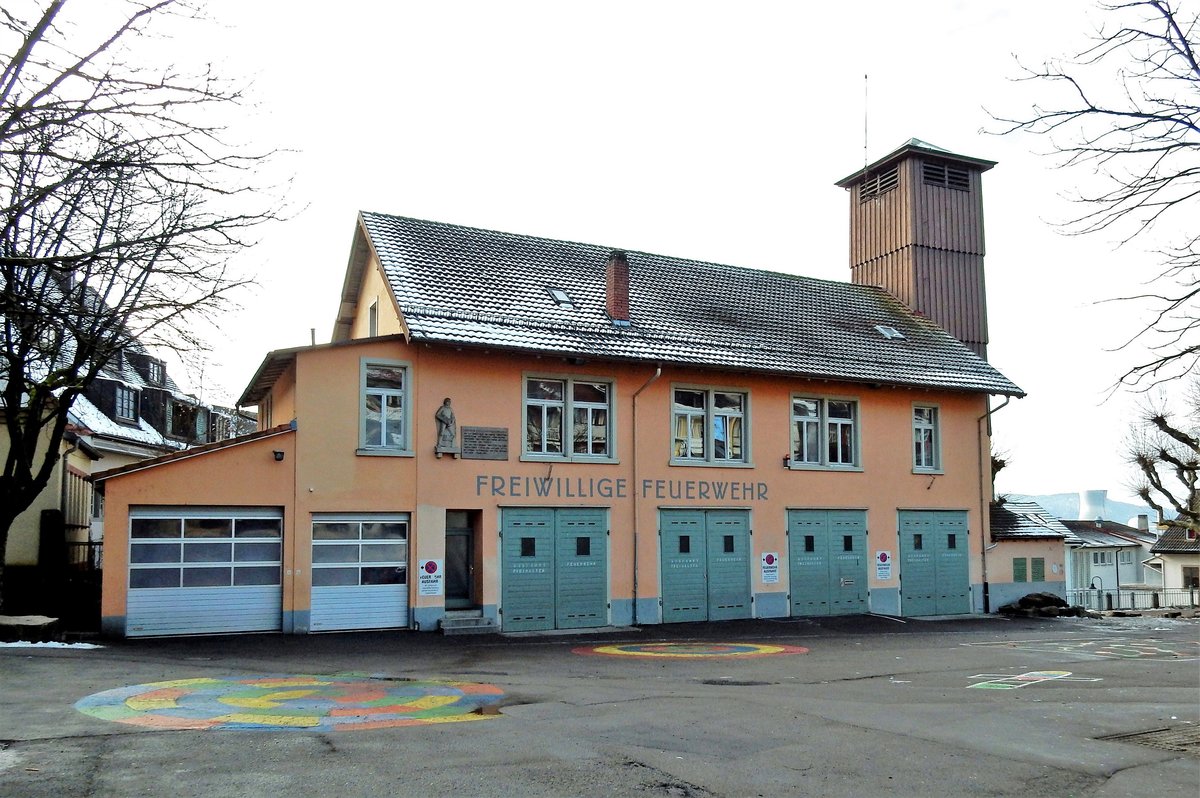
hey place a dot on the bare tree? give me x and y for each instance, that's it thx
(123, 202)
(1165, 448)
(1128, 108)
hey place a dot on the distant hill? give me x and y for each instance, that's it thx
(1066, 506)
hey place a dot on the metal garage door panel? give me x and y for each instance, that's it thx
(848, 562)
(193, 610)
(581, 568)
(527, 553)
(918, 570)
(952, 564)
(684, 565)
(808, 561)
(359, 607)
(728, 564)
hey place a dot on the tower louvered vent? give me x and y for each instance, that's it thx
(945, 175)
(878, 185)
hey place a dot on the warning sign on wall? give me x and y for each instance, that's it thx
(429, 578)
(770, 567)
(883, 565)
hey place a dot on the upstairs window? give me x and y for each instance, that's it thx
(373, 319)
(568, 417)
(824, 432)
(925, 439)
(155, 372)
(126, 404)
(385, 406)
(709, 425)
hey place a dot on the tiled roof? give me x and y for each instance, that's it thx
(1174, 540)
(1026, 521)
(1098, 537)
(466, 286)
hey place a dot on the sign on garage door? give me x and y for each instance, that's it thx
(555, 568)
(204, 570)
(934, 570)
(705, 558)
(827, 561)
(359, 572)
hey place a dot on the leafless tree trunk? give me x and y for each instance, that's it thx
(1165, 448)
(1128, 108)
(122, 204)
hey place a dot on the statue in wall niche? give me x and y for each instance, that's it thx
(447, 430)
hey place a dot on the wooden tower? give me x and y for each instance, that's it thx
(916, 230)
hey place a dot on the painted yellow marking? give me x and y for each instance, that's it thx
(268, 701)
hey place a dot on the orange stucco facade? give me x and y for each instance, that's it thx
(325, 470)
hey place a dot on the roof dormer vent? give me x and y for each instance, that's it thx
(561, 298)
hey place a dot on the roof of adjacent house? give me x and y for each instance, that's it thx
(101, 476)
(471, 287)
(1175, 540)
(1101, 534)
(1015, 520)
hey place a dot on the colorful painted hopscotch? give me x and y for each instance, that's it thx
(690, 650)
(1004, 681)
(341, 702)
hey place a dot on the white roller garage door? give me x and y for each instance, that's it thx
(205, 570)
(359, 572)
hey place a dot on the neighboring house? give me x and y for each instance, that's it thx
(1149, 570)
(132, 411)
(1029, 555)
(541, 434)
(1178, 551)
(1108, 557)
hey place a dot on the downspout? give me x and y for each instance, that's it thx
(986, 486)
(653, 378)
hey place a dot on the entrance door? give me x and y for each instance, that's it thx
(934, 569)
(555, 568)
(705, 557)
(460, 560)
(827, 561)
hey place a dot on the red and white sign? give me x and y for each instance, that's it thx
(429, 578)
(883, 565)
(770, 567)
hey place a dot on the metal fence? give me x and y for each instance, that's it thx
(86, 556)
(1134, 599)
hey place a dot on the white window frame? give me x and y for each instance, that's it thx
(709, 417)
(927, 462)
(1125, 557)
(131, 403)
(801, 458)
(403, 394)
(191, 567)
(366, 547)
(567, 408)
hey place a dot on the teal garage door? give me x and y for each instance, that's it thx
(555, 568)
(827, 561)
(705, 558)
(934, 570)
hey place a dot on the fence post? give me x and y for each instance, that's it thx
(1108, 602)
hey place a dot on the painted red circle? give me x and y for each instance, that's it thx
(430, 567)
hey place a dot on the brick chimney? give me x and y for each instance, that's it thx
(616, 279)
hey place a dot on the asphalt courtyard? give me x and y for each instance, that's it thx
(856, 706)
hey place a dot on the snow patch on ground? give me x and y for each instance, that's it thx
(27, 644)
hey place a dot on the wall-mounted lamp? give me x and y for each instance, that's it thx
(278, 456)
(787, 461)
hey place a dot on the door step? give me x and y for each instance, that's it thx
(467, 622)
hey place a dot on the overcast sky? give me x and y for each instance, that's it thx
(707, 130)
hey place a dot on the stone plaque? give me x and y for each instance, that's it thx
(485, 443)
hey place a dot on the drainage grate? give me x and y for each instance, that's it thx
(1185, 739)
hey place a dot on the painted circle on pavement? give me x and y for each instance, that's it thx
(691, 650)
(342, 702)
